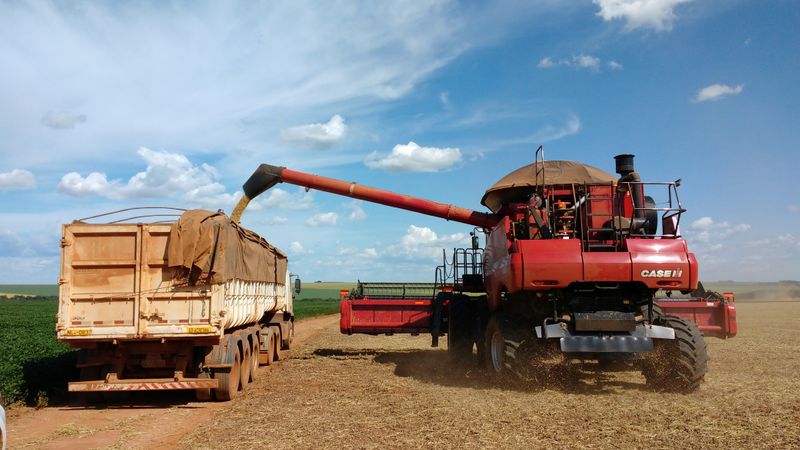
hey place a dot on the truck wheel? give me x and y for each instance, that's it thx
(247, 363)
(253, 356)
(288, 344)
(678, 365)
(203, 395)
(269, 354)
(278, 352)
(459, 330)
(229, 380)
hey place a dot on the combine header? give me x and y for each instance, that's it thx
(573, 260)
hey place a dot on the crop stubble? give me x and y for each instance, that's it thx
(366, 392)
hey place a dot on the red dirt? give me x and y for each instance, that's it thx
(154, 420)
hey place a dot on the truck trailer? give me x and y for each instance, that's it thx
(194, 302)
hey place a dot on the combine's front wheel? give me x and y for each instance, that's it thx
(459, 329)
(678, 365)
(501, 352)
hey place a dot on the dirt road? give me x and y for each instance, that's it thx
(367, 392)
(150, 420)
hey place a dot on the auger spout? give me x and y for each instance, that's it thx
(267, 176)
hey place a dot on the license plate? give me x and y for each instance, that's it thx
(82, 332)
(199, 330)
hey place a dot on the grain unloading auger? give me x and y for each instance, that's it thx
(574, 257)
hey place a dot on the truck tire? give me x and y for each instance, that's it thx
(277, 354)
(254, 351)
(229, 379)
(267, 351)
(287, 344)
(247, 363)
(459, 330)
(678, 365)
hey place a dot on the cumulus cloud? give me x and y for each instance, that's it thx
(413, 158)
(577, 61)
(613, 65)
(656, 14)
(168, 175)
(793, 208)
(369, 252)
(297, 248)
(716, 92)
(62, 120)
(424, 242)
(282, 199)
(317, 134)
(323, 219)
(706, 230)
(17, 179)
(356, 211)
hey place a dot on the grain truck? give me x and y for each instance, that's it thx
(191, 302)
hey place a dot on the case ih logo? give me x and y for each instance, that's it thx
(661, 273)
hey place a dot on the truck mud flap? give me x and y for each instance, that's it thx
(157, 384)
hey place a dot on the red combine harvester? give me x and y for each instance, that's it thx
(573, 260)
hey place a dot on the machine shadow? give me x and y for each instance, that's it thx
(434, 367)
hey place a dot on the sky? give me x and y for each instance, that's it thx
(109, 105)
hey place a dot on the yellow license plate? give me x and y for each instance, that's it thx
(199, 330)
(82, 332)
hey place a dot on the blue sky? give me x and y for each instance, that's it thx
(106, 105)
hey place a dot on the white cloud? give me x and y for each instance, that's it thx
(413, 158)
(444, 98)
(17, 179)
(655, 14)
(62, 120)
(547, 133)
(793, 208)
(277, 220)
(323, 219)
(716, 92)
(369, 252)
(317, 134)
(168, 175)
(706, 230)
(586, 61)
(356, 211)
(297, 248)
(581, 61)
(424, 242)
(282, 199)
(215, 75)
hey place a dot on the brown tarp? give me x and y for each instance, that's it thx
(210, 247)
(515, 187)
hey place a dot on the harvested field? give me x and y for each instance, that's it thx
(362, 391)
(366, 392)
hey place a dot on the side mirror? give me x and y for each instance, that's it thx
(297, 286)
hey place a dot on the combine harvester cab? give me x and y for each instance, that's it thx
(573, 260)
(196, 302)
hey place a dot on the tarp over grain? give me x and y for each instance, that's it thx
(516, 186)
(209, 247)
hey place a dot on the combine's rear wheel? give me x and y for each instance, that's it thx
(678, 365)
(459, 329)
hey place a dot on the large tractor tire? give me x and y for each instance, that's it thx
(678, 365)
(459, 330)
(502, 355)
(658, 312)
